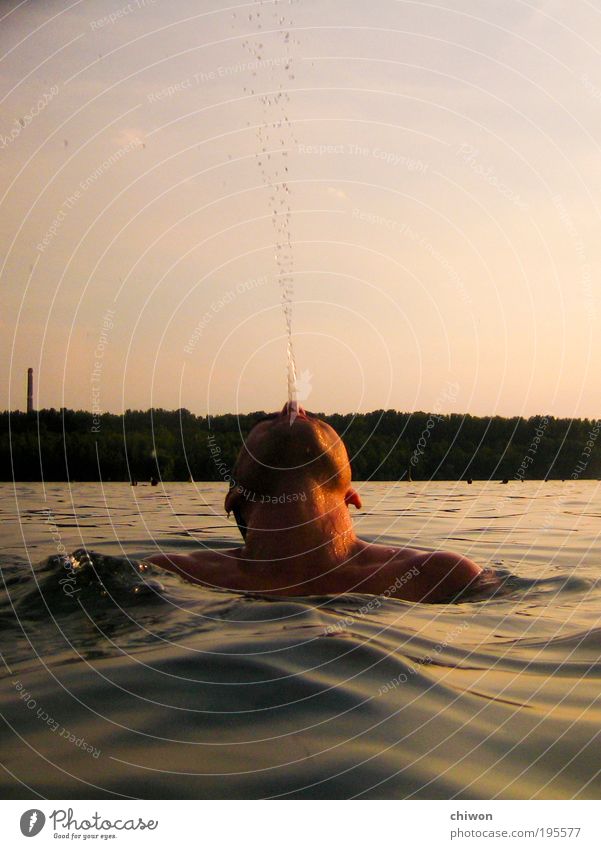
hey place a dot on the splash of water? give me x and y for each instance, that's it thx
(275, 135)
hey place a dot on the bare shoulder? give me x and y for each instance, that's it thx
(443, 574)
(197, 566)
(413, 574)
(434, 575)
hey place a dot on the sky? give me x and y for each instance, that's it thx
(441, 167)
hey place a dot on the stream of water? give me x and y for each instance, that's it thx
(270, 42)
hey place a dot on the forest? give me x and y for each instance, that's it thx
(176, 445)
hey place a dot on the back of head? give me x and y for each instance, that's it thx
(280, 458)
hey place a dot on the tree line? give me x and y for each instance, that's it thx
(61, 445)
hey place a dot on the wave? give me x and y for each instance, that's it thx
(188, 692)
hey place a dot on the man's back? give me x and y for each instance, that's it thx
(406, 573)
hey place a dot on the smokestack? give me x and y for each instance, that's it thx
(30, 390)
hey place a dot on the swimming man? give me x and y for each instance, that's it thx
(290, 495)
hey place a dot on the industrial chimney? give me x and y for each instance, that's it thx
(30, 390)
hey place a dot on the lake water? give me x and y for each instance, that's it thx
(120, 681)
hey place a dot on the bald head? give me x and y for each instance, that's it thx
(281, 456)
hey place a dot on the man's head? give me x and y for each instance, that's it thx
(287, 460)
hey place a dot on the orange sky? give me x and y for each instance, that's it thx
(443, 175)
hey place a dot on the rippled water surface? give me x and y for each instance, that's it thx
(123, 681)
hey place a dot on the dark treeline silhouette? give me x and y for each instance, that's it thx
(384, 445)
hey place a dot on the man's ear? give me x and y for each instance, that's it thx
(352, 497)
(232, 498)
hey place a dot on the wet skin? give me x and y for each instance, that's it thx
(310, 548)
(405, 573)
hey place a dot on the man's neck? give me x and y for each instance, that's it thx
(307, 537)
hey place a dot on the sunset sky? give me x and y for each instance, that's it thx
(444, 176)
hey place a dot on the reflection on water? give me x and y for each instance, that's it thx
(123, 681)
